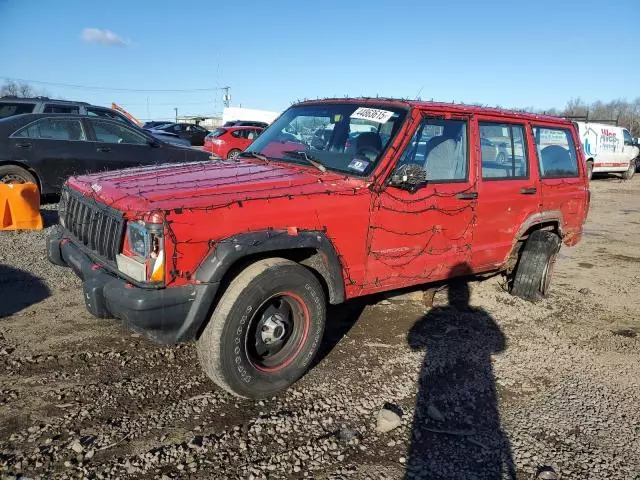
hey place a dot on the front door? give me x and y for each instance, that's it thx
(508, 190)
(119, 146)
(425, 235)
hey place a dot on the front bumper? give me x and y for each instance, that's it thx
(166, 315)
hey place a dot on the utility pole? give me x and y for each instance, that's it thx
(226, 99)
(176, 109)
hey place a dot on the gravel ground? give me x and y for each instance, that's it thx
(498, 388)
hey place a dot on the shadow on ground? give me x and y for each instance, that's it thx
(456, 431)
(18, 290)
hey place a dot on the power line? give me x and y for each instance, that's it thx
(109, 89)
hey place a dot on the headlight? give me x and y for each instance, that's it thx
(62, 207)
(138, 239)
(142, 256)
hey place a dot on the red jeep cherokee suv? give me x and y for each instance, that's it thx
(244, 255)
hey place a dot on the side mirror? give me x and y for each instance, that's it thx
(408, 177)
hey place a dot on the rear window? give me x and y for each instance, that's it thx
(556, 152)
(217, 132)
(9, 109)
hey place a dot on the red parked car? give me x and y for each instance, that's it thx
(243, 257)
(228, 142)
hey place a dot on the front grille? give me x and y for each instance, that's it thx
(95, 225)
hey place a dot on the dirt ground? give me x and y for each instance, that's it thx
(498, 388)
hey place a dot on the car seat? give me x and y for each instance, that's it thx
(369, 145)
(445, 157)
(556, 160)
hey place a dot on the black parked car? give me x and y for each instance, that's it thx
(154, 124)
(47, 148)
(194, 133)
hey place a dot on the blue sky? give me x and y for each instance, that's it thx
(272, 53)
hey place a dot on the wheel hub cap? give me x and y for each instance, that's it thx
(273, 329)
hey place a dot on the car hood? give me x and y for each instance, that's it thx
(206, 184)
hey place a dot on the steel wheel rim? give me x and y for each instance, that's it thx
(12, 179)
(277, 332)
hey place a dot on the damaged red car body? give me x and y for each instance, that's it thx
(335, 200)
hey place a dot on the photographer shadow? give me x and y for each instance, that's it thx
(456, 432)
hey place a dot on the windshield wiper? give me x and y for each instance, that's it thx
(250, 154)
(305, 156)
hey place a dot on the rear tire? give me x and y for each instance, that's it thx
(233, 154)
(265, 330)
(628, 175)
(535, 266)
(15, 174)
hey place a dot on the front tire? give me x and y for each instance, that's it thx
(533, 274)
(589, 169)
(628, 175)
(15, 174)
(265, 330)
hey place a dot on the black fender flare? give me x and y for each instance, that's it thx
(227, 252)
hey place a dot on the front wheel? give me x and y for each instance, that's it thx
(14, 174)
(628, 175)
(533, 273)
(265, 330)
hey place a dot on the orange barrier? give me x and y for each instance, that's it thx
(20, 207)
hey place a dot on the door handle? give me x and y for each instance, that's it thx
(467, 195)
(528, 190)
(23, 145)
(103, 149)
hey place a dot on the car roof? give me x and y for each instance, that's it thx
(459, 108)
(14, 99)
(242, 127)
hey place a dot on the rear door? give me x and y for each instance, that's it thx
(119, 146)
(508, 190)
(564, 190)
(56, 148)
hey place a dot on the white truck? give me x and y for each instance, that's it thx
(608, 148)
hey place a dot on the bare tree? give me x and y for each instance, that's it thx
(19, 89)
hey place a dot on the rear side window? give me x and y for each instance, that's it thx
(53, 129)
(9, 109)
(217, 132)
(556, 152)
(53, 108)
(239, 133)
(503, 151)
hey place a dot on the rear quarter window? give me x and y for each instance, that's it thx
(9, 109)
(557, 155)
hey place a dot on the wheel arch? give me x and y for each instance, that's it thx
(549, 220)
(313, 249)
(26, 167)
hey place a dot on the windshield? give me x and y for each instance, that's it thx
(349, 138)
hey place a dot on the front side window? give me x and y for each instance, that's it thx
(557, 154)
(108, 132)
(53, 108)
(503, 151)
(344, 137)
(440, 147)
(53, 129)
(628, 140)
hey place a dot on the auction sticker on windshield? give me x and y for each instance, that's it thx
(358, 165)
(372, 114)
